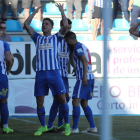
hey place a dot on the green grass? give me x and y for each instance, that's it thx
(123, 128)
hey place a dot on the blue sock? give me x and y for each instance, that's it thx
(65, 110)
(53, 112)
(4, 113)
(76, 116)
(89, 116)
(41, 115)
(60, 117)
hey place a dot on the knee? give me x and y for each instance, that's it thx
(40, 103)
(62, 99)
(4, 100)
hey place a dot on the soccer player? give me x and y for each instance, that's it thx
(47, 68)
(6, 63)
(64, 59)
(133, 30)
(83, 89)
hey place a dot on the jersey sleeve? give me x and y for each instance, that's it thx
(35, 36)
(78, 51)
(6, 47)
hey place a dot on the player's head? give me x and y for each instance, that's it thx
(70, 38)
(3, 28)
(47, 25)
(69, 24)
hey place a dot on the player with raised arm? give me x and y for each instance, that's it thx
(6, 63)
(133, 30)
(64, 59)
(83, 90)
(47, 68)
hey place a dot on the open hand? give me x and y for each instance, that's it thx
(60, 7)
(129, 8)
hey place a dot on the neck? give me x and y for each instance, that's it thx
(46, 34)
(74, 44)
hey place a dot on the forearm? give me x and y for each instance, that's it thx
(71, 60)
(130, 3)
(64, 19)
(85, 69)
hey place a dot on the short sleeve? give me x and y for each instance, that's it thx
(35, 36)
(78, 50)
(6, 47)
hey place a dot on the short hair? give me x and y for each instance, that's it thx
(2, 22)
(69, 22)
(70, 35)
(51, 21)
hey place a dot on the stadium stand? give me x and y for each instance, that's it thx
(17, 38)
(120, 25)
(51, 9)
(13, 26)
(83, 38)
(30, 11)
(126, 37)
(37, 25)
(56, 26)
(79, 25)
(101, 38)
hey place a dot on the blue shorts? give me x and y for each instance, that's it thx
(66, 84)
(48, 79)
(83, 92)
(4, 87)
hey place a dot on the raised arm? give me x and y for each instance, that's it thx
(27, 26)
(133, 30)
(64, 19)
(85, 69)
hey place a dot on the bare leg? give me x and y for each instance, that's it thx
(38, 15)
(95, 28)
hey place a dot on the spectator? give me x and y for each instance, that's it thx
(124, 7)
(135, 11)
(5, 5)
(4, 36)
(78, 7)
(90, 10)
(26, 5)
(98, 15)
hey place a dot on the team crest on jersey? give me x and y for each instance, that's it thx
(4, 92)
(79, 50)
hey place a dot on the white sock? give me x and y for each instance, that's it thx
(5, 125)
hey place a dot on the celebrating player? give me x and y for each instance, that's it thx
(47, 68)
(83, 89)
(63, 58)
(6, 63)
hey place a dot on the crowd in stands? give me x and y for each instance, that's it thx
(130, 9)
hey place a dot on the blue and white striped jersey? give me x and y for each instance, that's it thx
(46, 52)
(80, 50)
(63, 57)
(98, 3)
(4, 47)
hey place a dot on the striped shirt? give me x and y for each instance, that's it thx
(80, 50)
(46, 52)
(63, 58)
(4, 47)
(98, 3)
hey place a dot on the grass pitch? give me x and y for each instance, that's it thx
(123, 128)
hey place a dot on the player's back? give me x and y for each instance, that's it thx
(79, 50)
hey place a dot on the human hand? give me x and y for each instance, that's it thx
(39, 8)
(60, 7)
(129, 8)
(84, 81)
(74, 72)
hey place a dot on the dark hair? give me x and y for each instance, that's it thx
(70, 35)
(51, 21)
(2, 22)
(69, 22)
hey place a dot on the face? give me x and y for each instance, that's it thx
(69, 28)
(69, 43)
(2, 28)
(46, 26)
